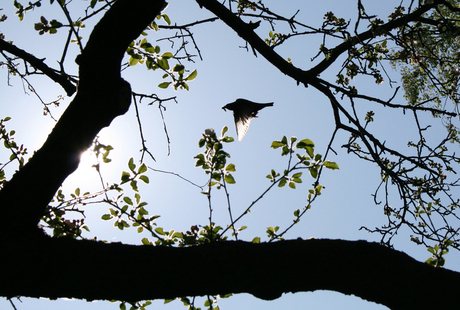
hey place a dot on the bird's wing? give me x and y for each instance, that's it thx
(242, 121)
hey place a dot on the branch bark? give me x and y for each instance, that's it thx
(39, 64)
(102, 96)
(95, 270)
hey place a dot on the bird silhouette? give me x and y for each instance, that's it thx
(243, 112)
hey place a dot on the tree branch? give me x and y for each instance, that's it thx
(39, 64)
(131, 273)
(102, 96)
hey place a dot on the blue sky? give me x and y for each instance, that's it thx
(226, 73)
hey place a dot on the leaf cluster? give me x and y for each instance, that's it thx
(144, 52)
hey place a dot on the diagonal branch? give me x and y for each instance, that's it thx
(102, 95)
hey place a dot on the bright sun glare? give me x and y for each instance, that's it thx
(86, 176)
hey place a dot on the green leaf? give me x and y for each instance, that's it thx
(145, 241)
(142, 169)
(167, 55)
(166, 18)
(224, 130)
(142, 211)
(256, 240)
(192, 76)
(330, 165)
(134, 185)
(125, 176)
(163, 63)
(314, 172)
(292, 185)
(145, 179)
(229, 179)
(282, 182)
(160, 231)
(133, 61)
(106, 217)
(164, 85)
(131, 164)
(318, 189)
(230, 167)
(277, 144)
(178, 68)
(297, 175)
(128, 200)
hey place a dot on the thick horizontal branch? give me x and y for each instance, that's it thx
(96, 270)
(39, 64)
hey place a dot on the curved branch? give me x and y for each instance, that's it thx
(345, 46)
(102, 96)
(39, 64)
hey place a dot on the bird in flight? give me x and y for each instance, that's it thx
(243, 112)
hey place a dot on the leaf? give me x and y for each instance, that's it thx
(318, 189)
(277, 144)
(163, 63)
(178, 68)
(142, 169)
(134, 185)
(192, 76)
(256, 240)
(145, 179)
(230, 167)
(106, 217)
(166, 18)
(297, 175)
(229, 179)
(292, 185)
(167, 55)
(224, 130)
(305, 143)
(133, 61)
(131, 164)
(160, 231)
(282, 182)
(330, 165)
(164, 85)
(314, 172)
(128, 200)
(142, 211)
(125, 176)
(145, 241)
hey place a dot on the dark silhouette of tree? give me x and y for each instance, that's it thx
(367, 270)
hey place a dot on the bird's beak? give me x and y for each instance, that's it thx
(223, 108)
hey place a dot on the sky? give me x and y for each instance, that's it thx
(226, 73)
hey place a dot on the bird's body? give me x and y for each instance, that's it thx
(243, 112)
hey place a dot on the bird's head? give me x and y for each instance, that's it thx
(233, 105)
